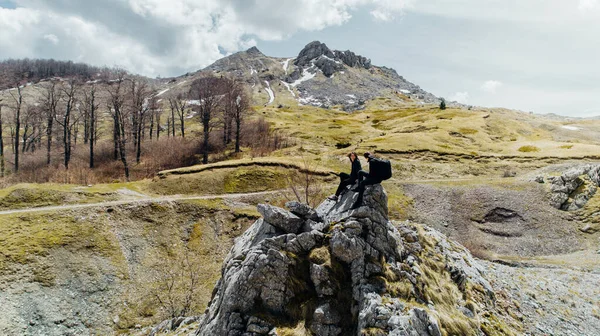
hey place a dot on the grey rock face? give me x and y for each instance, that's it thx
(280, 218)
(353, 60)
(574, 188)
(289, 269)
(311, 51)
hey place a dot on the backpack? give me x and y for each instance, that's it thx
(380, 168)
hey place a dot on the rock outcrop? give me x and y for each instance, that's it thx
(574, 188)
(337, 271)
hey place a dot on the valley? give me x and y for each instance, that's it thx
(121, 257)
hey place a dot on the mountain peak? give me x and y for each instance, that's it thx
(254, 50)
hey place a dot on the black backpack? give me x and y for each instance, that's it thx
(380, 168)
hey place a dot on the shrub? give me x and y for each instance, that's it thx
(443, 104)
(529, 149)
(467, 131)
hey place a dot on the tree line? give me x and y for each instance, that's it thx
(34, 70)
(126, 110)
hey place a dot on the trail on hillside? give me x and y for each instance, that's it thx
(136, 200)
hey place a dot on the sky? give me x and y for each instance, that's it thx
(539, 56)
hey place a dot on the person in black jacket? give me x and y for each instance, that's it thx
(348, 180)
(365, 179)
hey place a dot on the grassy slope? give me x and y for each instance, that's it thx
(396, 128)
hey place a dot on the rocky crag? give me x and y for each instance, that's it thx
(318, 76)
(337, 271)
(572, 189)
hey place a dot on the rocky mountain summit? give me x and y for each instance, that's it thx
(318, 76)
(337, 271)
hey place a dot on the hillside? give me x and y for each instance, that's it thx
(517, 190)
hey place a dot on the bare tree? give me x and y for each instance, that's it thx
(177, 283)
(304, 183)
(178, 104)
(32, 122)
(208, 92)
(2, 168)
(140, 94)
(69, 118)
(52, 95)
(18, 98)
(237, 106)
(91, 124)
(116, 92)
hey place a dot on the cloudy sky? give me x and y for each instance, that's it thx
(533, 55)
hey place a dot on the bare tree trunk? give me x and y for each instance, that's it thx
(91, 101)
(2, 169)
(237, 135)
(115, 140)
(49, 130)
(19, 101)
(151, 130)
(173, 121)
(206, 124)
(157, 126)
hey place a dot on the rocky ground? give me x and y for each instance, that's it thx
(552, 300)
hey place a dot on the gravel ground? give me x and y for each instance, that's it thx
(553, 301)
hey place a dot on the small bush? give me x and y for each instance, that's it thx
(529, 149)
(443, 104)
(566, 146)
(341, 145)
(467, 131)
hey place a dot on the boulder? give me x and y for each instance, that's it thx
(279, 218)
(358, 273)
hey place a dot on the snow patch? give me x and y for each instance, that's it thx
(162, 92)
(329, 58)
(92, 82)
(351, 96)
(287, 86)
(252, 71)
(194, 102)
(404, 91)
(571, 128)
(182, 83)
(305, 76)
(286, 63)
(310, 100)
(270, 92)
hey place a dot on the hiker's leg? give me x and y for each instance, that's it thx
(342, 186)
(361, 190)
(361, 175)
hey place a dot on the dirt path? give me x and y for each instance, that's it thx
(135, 200)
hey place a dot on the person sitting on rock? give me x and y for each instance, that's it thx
(379, 170)
(348, 180)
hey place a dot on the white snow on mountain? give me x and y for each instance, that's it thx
(287, 86)
(306, 75)
(270, 92)
(286, 63)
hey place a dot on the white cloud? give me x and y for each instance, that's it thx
(460, 97)
(585, 5)
(156, 37)
(52, 38)
(491, 86)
